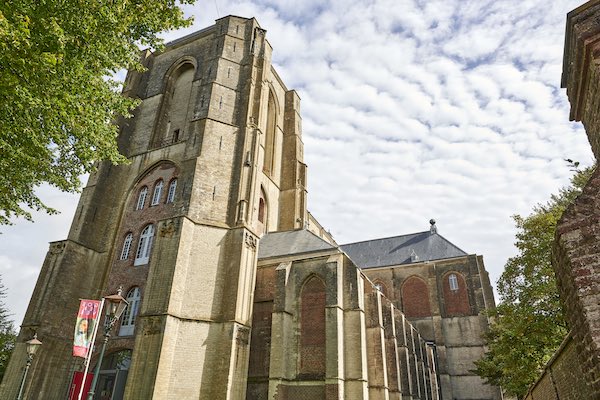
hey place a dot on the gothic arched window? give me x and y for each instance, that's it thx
(262, 212)
(157, 193)
(171, 193)
(128, 320)
(141, 198)
(144, 246)
(126, 246)
(176, 101)
(269, 156)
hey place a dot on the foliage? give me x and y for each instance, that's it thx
(57, 97)
(7, 333)
(528, 326)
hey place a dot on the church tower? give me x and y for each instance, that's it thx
(215, 161)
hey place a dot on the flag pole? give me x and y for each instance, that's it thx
(89, 352)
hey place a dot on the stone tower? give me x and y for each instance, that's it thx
(215, 160)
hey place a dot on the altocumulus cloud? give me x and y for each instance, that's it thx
(411, 110)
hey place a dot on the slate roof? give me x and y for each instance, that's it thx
(276, 244)
(397, 250)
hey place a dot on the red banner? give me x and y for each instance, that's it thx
(87, 320)
(76, 385)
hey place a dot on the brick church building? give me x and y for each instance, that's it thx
(235, 291)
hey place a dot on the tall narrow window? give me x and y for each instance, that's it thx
(171, 194)
(141, 198)
(145, 246)
(262, 212)
(270, 135)
(131, 312)
(157, 193)
(126, 247)
(453, 282)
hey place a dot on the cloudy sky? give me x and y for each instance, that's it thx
(412, 110)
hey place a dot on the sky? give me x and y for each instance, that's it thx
(411, 110)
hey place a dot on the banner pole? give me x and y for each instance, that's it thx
(89, 353)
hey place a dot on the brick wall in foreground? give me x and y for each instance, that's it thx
(563, 377)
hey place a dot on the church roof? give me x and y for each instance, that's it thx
(276, 244)
(404, 249)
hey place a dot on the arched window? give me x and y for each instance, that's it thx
(456, 298)
(141, 198)
(270, 135)
(157, 193)
(171, 194)
(145, 246)
(453, 282)
(415, 298)
(262, 212)
(312, 329)
(126, 246)
(131, 312)
(176, 100)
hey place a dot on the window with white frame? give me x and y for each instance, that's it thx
(171, 194)
(145, 246)
(453, 282)
(157, 193)
(126, 247)
(128, 320)
(141, 198)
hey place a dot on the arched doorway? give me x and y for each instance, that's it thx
(113, 376)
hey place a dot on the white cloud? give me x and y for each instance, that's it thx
(411, 110)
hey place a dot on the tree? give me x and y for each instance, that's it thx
(7, 333)
(528, 326)
(57, 94)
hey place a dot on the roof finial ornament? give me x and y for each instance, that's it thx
(433, 228)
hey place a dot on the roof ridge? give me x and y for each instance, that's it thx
(389, 237)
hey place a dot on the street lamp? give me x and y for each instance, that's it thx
(32, 347)
(115, 305)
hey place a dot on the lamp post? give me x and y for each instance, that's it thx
(32, 347)
(115, 306)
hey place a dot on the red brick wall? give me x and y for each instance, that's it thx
(312, 328)
(260, 343)
(563, 377)
(415, 298)
(456, 302)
